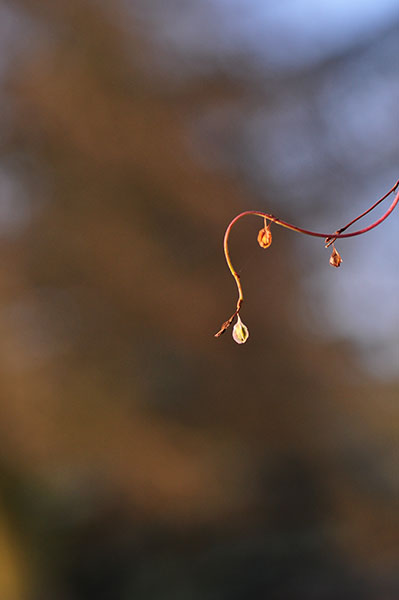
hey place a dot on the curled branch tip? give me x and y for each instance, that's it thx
(240, 331)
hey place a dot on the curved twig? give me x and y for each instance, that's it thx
(330, 238)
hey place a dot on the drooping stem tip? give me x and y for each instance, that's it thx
(240, 331)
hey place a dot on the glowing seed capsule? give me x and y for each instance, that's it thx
(335, 258)
(240, 332)
(264, 237)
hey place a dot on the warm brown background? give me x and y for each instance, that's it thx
(140, 458)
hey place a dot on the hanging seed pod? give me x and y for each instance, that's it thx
(265, 236)
(335, 258)
(240, 332)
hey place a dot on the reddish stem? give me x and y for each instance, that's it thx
(334, 235)
(329, 237)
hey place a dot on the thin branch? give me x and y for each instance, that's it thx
(366, 212)
(330, 238)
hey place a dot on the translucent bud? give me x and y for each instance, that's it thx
(240, 332)
(264, 237)
(335, 258)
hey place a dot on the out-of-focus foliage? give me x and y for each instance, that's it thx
(140, 457)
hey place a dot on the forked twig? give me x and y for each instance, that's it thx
(240, 331)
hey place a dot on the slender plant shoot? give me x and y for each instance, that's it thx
(240, 331)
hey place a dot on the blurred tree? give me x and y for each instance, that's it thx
(147, 440)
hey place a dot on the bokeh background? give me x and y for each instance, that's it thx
(140, 458)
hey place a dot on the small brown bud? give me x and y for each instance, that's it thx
(335, 258)
(265, 237)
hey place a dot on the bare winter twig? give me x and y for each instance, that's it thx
(240, 331)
